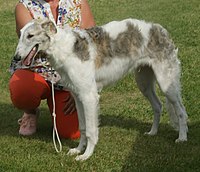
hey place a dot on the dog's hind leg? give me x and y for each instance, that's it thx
(174, 122)
(176, 103)
(167, 73)
(90, 102)
(146, 82)
(82, 128)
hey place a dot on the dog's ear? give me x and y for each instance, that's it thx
(49, 26)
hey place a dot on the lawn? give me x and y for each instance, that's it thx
(125, 114)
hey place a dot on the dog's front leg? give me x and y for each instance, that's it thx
(82, 128)
(90, 105)
(81, 146)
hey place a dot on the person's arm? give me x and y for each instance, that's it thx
(22, 17)
(87, 19)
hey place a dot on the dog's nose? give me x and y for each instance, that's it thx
(17, 57)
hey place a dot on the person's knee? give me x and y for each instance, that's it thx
(22, 97)
(27, 89)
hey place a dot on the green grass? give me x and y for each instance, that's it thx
(125, 114)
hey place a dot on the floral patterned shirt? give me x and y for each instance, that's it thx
(68, 15)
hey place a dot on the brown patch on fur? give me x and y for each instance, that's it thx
(126, 43)
(98, 62)
(103, 44)
(159, 41)
(81, 47)
(129, 41)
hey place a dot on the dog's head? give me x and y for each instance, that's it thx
(35, 36)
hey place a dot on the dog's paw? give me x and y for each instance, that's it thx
(181, 140)
(73, 151)
(81, 157)
(150, 133)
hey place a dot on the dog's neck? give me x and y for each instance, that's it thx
(62, 37)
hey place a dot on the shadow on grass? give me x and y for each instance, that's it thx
(9, 124)
(9, 121)
(133, 123)
(160, 152)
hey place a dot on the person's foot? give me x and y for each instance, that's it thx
(28, 123)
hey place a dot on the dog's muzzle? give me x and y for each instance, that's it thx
(17, 57)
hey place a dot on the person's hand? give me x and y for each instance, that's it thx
(70, 106)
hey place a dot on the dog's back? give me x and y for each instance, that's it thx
(122, 46)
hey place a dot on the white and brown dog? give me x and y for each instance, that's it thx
(90, 59)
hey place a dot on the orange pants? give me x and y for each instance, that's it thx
(27, 89)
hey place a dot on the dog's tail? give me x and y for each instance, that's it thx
(174, 121)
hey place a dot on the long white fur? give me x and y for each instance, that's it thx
(84, 79)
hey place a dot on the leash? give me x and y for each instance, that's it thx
(55, 131)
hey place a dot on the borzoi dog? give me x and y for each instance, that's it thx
(90, 59)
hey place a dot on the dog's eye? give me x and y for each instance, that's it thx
(29, 36)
